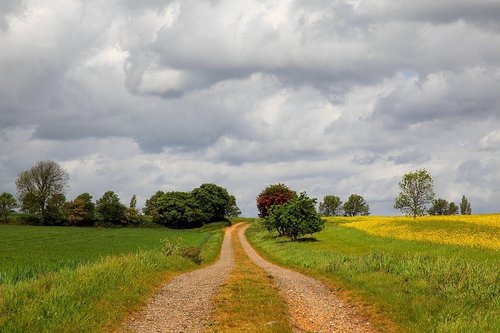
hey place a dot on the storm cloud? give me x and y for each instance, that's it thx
(330, 97)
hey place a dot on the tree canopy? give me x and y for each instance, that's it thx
(331, 206)
(39, 184)
(276, 194)
(417, 191)
(356, 205)
(7, 203)
(110, 209)
(295, 218)
(465, 208)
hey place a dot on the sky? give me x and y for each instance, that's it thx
(326, 96)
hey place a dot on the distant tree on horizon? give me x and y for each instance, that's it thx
(417, 191)
(37, 186)
(465, 208)
(7, 204)
(356, 205)
(331, 206)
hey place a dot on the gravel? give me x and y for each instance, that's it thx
(185, 303)
(313, 307)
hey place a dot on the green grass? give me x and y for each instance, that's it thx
(87, 279)
(28, 251)
(421, 286)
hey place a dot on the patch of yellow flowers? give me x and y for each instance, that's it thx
(464, 230)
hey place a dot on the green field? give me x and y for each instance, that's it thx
(64, 279)
(421, 286)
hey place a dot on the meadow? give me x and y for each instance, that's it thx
(65, 279)
(415, 276)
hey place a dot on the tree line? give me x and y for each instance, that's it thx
(292, 215)
(41, 192)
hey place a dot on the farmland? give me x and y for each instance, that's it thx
(416, 274)
(56, 279)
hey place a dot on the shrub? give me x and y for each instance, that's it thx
(296, 218)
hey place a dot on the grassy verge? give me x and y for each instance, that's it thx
(421, 286)
(249, 302)
(97, 294)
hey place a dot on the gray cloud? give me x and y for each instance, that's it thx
(331, 97)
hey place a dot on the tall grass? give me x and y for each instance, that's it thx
(96, 295)
(423, 287)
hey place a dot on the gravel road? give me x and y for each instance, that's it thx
(184, 304)
(313, 307)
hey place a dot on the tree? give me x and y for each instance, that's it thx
(452, 208)
(132, 215)
(80, 211)
(215, 201)
(151, 206)
(356, 205)
(416, 193)
(178, 210)
(7, 204)
(465, 208)
(276, 194)
(331, 206)
(295, 218)
(110, 209)
(39, 184)
(439, 207)
(54, 212)
(233, 210)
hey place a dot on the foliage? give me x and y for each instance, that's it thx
(7, 204)
(442, 207)
(178, 210)
(151, 206)
(233, 210)
(54, 212)
(465, 208)
(356, 205)
(452, 208)
(331, 206)
(110, 209)
(276, 194)
(416, 193)
(81, 211)
(132, 215)
(37, 185)
(296, 218)
(214, 200)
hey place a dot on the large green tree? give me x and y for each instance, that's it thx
(356, 205)
(214, 200)
(295, 218)
(439, 207)
(110, 209)
(417, 191)
(331, 206)
(272, 195)
(7, 204)
(39, 184)
(178, 210)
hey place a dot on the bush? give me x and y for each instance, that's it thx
(178, 210)
(192, 253)
(296, 218)
(272, 195)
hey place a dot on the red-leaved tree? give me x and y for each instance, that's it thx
(276, 194)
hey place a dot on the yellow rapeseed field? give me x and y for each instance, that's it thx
(465, 230)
